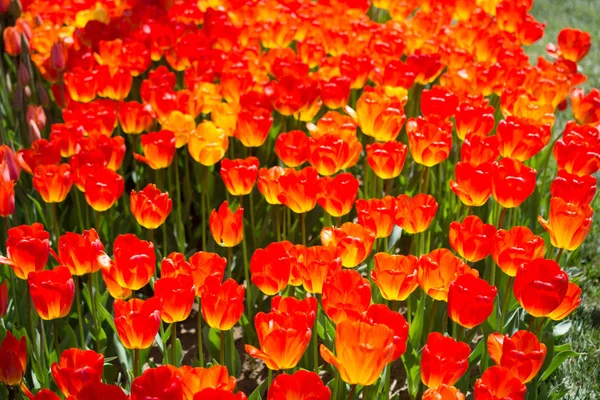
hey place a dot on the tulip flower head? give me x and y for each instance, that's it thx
(222, 303)
(150, 206)
(443, 360)
(53, 182)
(239, 175)
(134, 261)
(194, 380)
(353, 242)
(227, 227)
(346, 295)
(338, 194)
(568, 224)
(540, 286)
(75, 369)
(470, 300)
(52, 292)
(13, 359)
(415, 214)
(522, 353)
(438, 269)
(500, 383)
(162, 383)
(159, 149)
(395, 275)
(515, 247)
(82, 253)
(103, 188)
(27, 249)
(472, 239)
(270, 268)
(177, 296)
(137, 321)
(302, 385)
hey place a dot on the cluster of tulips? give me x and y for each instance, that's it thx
(433, 267)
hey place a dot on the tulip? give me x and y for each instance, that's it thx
(540, 286)
(82, 254)
(268, 183)
(27, 249)
(512, 182)
(522, 354)
(378, 215)
(328, 154)
(302, 385)
(239, 175)
(194, 380)
(395, 275)
(472, 239)
(298, 254)
(135, 117)
(438, 269)
(443, 360)
(137, 321)
(40, 153)
(586, 112)
(99, 117)
(52, 292)
(346, 295)
(177, 296)
(12, 41)
(3, 298)
(568, 224)
(103, 188)
(521, 140)
(270, 268)
(477, 150)
(290, 95)
(577, 190)
(283, 339)
(113, 149)
(222, 303)
(218, 394)
(13, 359)
(75, 369)
(114, 84)
(101, 391)
(159, 149)
(7, 198)
(380, 116)
(443, 392)
(429, 140)
(499, 383)
(10, 169)
(204, 265)
(386, 159)
(381, 314)
(473, 185)
(182, 125)
(570, 302)
(577, 150)
(474, 120)
(515, 247)
(53, 182)
(253, 126)
(134, 261)
(319, 264)
(335, 91)
(208, 143)
(438, 101)
(470, 300)
(358, 344)
(338, 194)
(299, 190)
(292, 148)
(291, 305)
(150, 206)
(44, 394)
(161, 383)
(227, 227)
(114, 289)
(174, 265)
(573, 44)
(81, 85)
(414, 215)
(84, 164)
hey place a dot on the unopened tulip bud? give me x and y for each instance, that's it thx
(23, 76)
(57, 56)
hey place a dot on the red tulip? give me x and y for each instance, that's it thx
(472, 239)
(302, 385)
(75, 369)
(540, 286)
(470, 300)
(498, 383)
(177, 296)
(270, 268)
(443, 360)
(13, 359)
(346, 295)
(161, 383)
(27, 249)
(52, 292)
(137, 321)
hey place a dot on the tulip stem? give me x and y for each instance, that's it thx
(315, 339)
(559, 255)
(165, 245)
(94, 315)
(505, 303)
(269, 379)
(173, 343)
(180, 234)
(200, 346)
(55, 220)
(136, 363)
(277, 224)
(56, 345)
(230, 261)
(352, 391)
(222, 348)
(31, 325)
(388, 378)
(79, 316)
(303, 217)
(431, 319)
(43, 344)
(253, 226)
(203, 206)
(232, 353)
(501, 218)
(247, 277)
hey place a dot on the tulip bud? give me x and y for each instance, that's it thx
(57, 56)
(43, 95)
(23, 76)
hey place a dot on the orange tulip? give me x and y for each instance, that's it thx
(183, 126)
(381, 314)
(222, 303)
(291, 305)
(292, 148)
(470, 300)
(573, 44)
(585, 110)
(353, 242)
(443, 392)
(473, 185)
(13, 359)
(438, 269)
(299, 189)
(174, 265)
(522, 354)
(114, 84)
(177, 295)
(113, 149)
(570, 302)
(540, 286)
(227, 227)
(194, 380)
(318, 264)
(328, 154)
(239, 175)
(134, 261)
(346, 295)
(380, 116)
(577, 190)
(208, 143)
(103, 188)
(253, 126)
(203, 265)
(429, 140)
(159, 149)
(75, 369)
(7, 198)
(477, 150)
(499, 383)
(109, 275)
(395, 275)
(568, 224)
(82, 253)
(137, 321)
(335, 91)
(270, 268)
(438, 101)
(474, 120)
(150, 206)
(472, 239)
(135, 117)
(515, 247)
(27, 249)
(577, 151)
(386, 159)
(268, 183)
(160, 383)
(283, 339)
(218, 394)
(521, 140)
(302, 385)
(101, 391)
(378, 215)
(358, 344)
(414, 215)
(443, 360)
(12, 41)
(52, 292)
(338, 194)
(53, 182)
(512, 182)
(298, 254)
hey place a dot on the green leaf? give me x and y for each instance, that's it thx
(416, 328)
(562, 328)
(103, 314)
(394, 237)
(558, 359)
(256, 394)
(477, 351)
(410, 359)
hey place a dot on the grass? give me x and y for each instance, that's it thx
(578, 378)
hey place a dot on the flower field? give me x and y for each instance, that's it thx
(291, 199)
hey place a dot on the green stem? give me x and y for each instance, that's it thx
(352, 391)
(203, 212)
(315, 340)
(303, 217)
(56, 227)
(94, 314)
(247, 277)
(253, 226)
(559, 255)
(222, 348)
(230, 261)
(165, 250)
(388, 379)
(78, 195)
(277, 224)
(136, 362)
(31, 324)
(56, 345)
(505, 303)
(501, 219)
(180, 235)
(232, 352)
(79, 315)
(200, 341)
(269, 378)
(174, 344)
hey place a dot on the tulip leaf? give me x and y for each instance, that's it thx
(416, 327)
(256, 394)
(477, 351)
(38, 207)
(558, 359)
(562, 328)
(394, 237)
(106, 316)
(410, 359)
